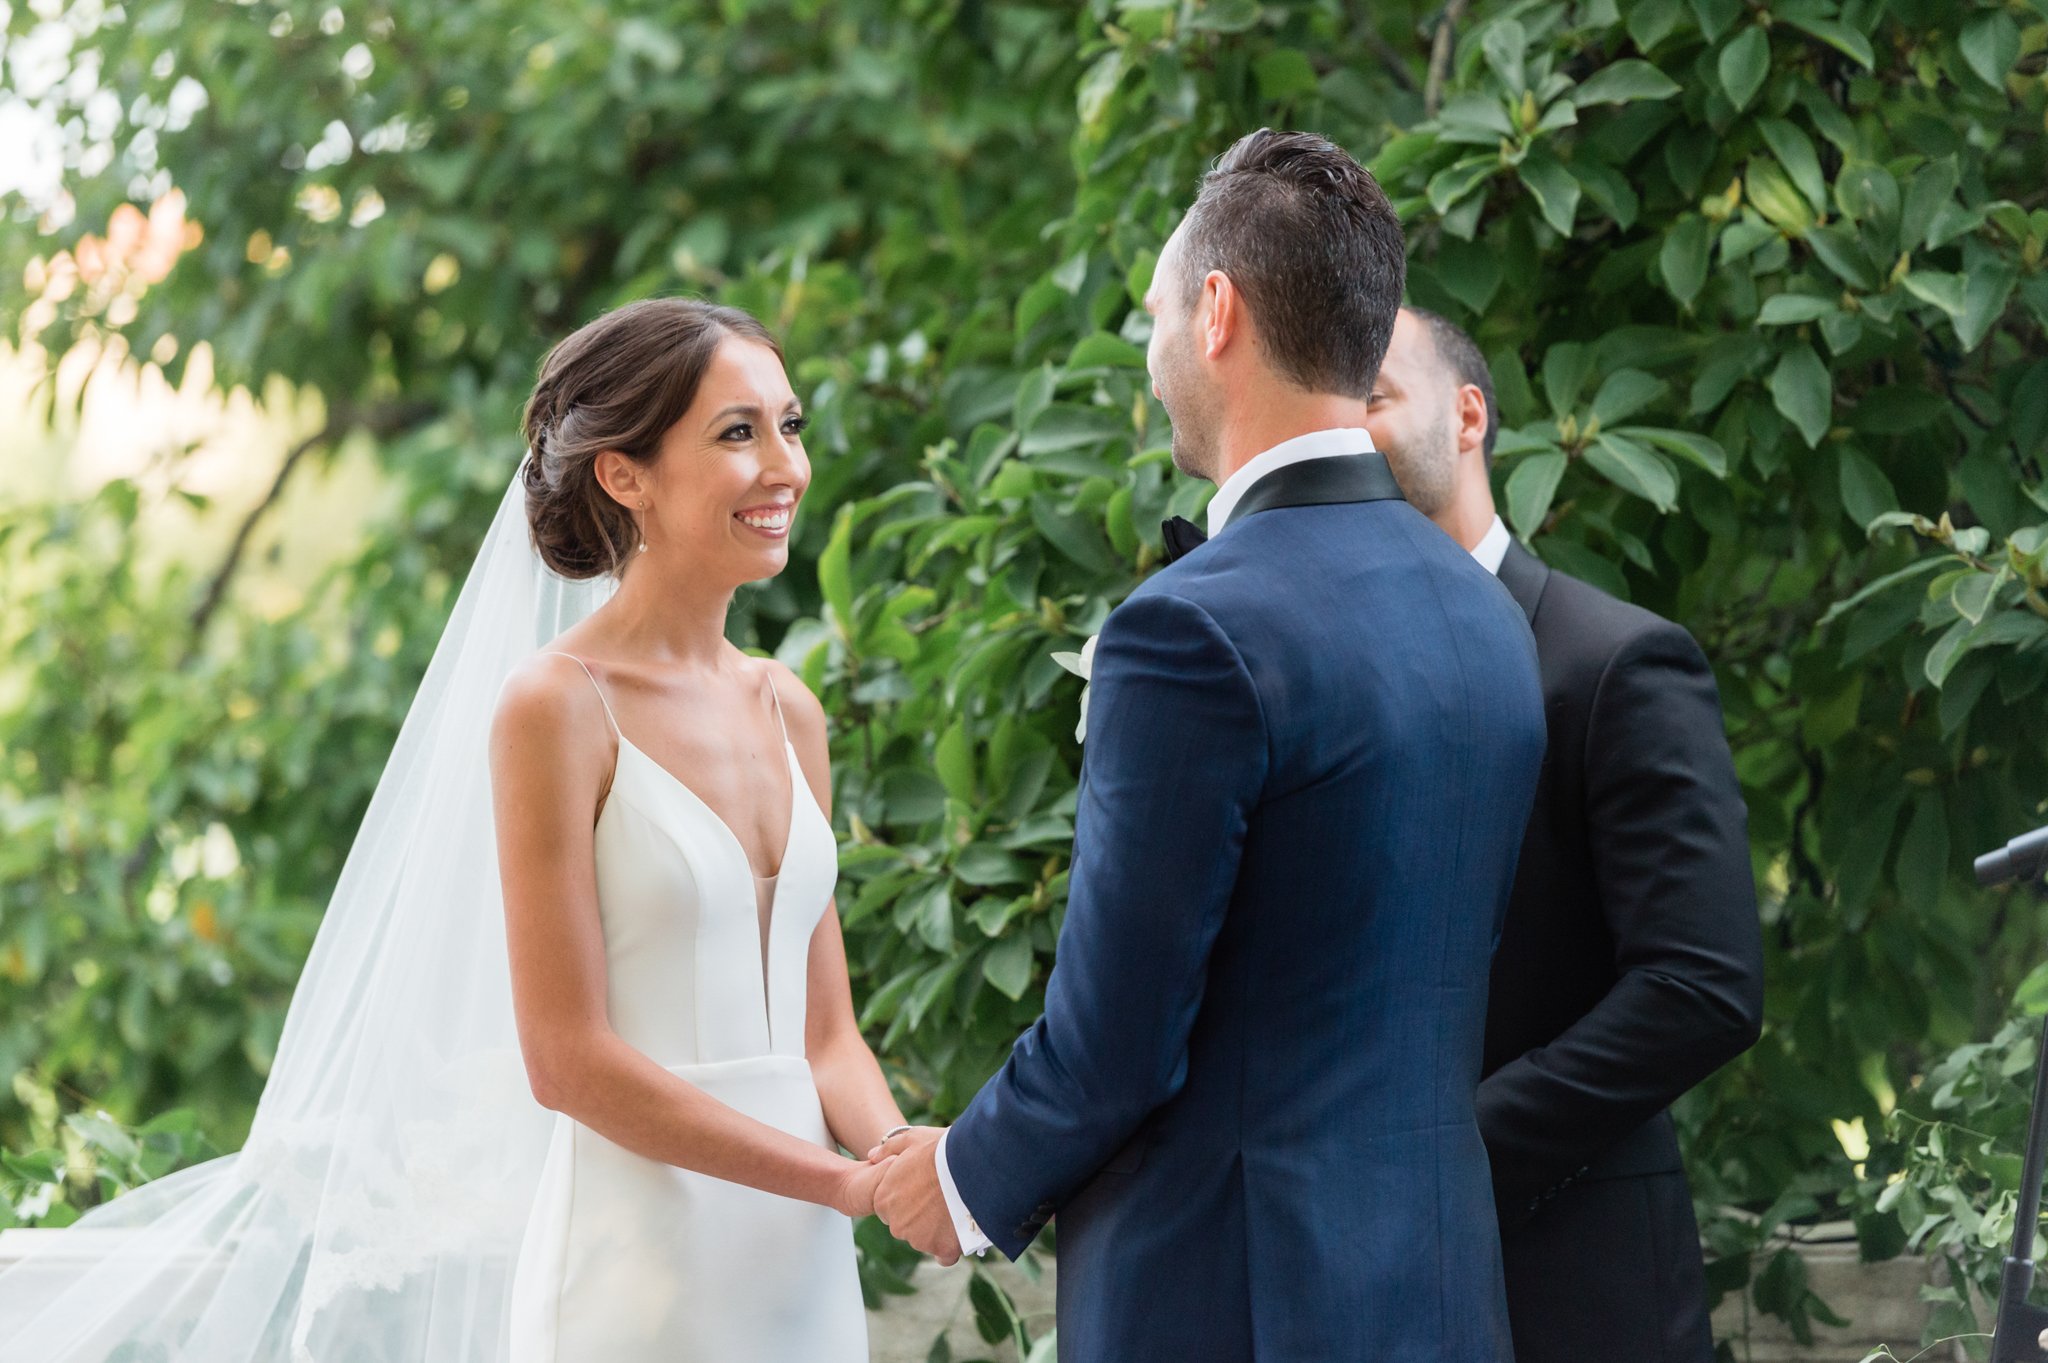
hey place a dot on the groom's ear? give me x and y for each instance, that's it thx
(1220, 314)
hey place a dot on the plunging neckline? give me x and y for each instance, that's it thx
(767, 910)
(732, 838)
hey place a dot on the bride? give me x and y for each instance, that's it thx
(566, 1069)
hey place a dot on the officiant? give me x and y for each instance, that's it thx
(1630, 965)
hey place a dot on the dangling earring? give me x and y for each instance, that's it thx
(643, 530)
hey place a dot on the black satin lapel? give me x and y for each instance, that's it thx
(1322, 482)
(1525, 576)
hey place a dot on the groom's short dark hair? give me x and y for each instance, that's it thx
(1307, 235)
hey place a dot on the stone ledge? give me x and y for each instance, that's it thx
(1881, 1302)
(903, 1329)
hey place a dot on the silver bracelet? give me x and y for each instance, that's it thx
(892, 1133)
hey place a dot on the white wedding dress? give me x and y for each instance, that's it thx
(628, 1260)
(401, 1197)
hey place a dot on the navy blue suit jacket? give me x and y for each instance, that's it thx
(1312, 747)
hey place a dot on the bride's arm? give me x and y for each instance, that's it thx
(549, 768)
(858, 1105)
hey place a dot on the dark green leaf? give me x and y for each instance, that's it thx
(933, 918)
(1066, 426)
(1841, 331)
(833, 568)
(1803, 392)
(1477, 119)
(953, 760)
(1008, 965)
(1947, 651)
(1991, 44)
(1505, 44)
(1837, 35)
(1866, 492)
(1945, 291)
(1610, 190)
(1635, 468)
(1457, 180)
(1074, 536)
(1469, 272)
(1624, 393)
(1566, 367)
(1623, 82)
(1787, 308)
(1985, 294)
(1794, 150)
(1224, 16)
(1651, 21)
(1699, 449)
(1530, 489)
(1839, 250)
(1931, 189)
(1555, 191)
(1683, 257)
(1715, 16)
(1880, 586)
(1742, 66)
(1101, 348)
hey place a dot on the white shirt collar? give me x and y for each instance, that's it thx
(1492, 546)
(1314, 445)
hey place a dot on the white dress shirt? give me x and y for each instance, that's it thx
(972, 1241)
(1492, 546)
(1315, 445)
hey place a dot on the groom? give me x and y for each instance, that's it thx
(1313, 742)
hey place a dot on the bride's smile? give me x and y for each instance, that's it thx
(722, 493)
(771, 521)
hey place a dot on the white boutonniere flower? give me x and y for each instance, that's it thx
(1080, 664)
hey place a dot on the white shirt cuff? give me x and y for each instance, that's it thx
(972, 1241)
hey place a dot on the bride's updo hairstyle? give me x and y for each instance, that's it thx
(618, 383)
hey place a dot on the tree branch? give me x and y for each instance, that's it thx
(216, 589)
(1440, 57)
(1391, 57)
(383, 422)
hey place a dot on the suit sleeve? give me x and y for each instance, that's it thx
(1667, 832)
(1174, 764)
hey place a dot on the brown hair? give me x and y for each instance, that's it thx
(1307, 235)
(618, 383)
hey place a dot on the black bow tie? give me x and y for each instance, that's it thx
(1182, 536)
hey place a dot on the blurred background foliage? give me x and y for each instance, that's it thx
(1761, 286)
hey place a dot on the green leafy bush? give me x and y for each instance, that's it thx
(1762, 291)
(97, 1158)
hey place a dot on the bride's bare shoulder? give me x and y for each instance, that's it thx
(548, 703)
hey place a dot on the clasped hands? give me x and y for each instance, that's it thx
(900, 1181)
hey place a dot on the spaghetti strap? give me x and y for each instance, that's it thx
(776, 696)
(616, 731)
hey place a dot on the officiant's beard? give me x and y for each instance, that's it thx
(1426, 466)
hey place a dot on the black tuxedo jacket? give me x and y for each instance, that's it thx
(1629, 968)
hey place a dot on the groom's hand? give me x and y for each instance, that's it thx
(909, 1201)
(908, 1138)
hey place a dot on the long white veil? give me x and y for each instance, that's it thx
(375, 1211)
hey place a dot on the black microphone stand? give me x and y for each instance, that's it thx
(2021, 1335)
